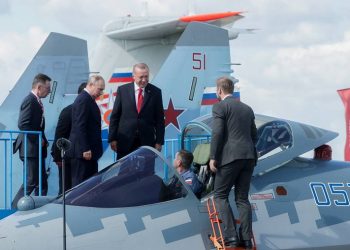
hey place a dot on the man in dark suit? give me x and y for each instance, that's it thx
(31, 118)
(137, 118)
(86, 131)
(233, 157)
(63, 129)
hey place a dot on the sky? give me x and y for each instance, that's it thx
(291, 67)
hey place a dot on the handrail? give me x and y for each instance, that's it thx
(171, 146)
(11, 140)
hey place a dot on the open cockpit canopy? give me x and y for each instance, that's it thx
(279, 140)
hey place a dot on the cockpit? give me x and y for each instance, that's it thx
(274, 136)
(141, 178)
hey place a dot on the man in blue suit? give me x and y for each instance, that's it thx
(31, 118)
(137, 118)
(63, 128)
(86, 131)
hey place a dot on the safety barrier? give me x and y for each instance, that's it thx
(171, 146)
(6, 147)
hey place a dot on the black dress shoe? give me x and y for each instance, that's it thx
(247, 244)
(231, 242)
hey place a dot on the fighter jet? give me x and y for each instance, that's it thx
(298, 203)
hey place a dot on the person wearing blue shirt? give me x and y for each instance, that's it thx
(182, 164)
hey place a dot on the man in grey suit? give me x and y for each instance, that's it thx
(232, 158)
(31, 118)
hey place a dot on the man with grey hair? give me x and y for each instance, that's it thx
(232, 158)
(137, 118)
(86, 131)
(63, 128)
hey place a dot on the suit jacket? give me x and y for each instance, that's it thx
(234, 132)
(125, 122)
(86, 127)
(30, 119)
(63, 129)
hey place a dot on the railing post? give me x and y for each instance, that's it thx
(165, 153)
(11, 162)
(173, 149)
(5, 175)
(25, 165)
(188, 143)
(40, 163)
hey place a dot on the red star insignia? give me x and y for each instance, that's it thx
(171, 115)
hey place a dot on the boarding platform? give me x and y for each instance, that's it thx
(12, 173)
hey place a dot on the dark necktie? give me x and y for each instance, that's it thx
(42, 109)
(41, 105)
(139, 100)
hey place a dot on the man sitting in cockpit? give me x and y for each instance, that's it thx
(182, 164)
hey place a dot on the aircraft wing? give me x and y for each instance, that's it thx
(163, 28)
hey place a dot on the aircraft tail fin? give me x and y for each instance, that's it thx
(200, 56)
(65, 60)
